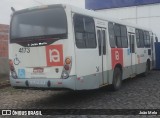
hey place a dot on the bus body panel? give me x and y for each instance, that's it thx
(43, 64)
(38, 58)
(42, 83)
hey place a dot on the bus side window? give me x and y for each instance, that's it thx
(90, 33)
(117, 32)
(80, 40)
(117, 35)
(79, 31)
(124, 38)
(137, 38)
(141, 39)
(84, 31)
(111, 35)
(148, 41)
(145, 38)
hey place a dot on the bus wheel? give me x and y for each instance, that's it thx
(117, 79)
(147, 69)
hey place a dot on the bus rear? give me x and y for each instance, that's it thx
(41, 51)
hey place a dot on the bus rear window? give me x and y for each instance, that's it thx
(46, 22)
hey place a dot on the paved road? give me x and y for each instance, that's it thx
(136, 93)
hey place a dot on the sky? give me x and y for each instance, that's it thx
(5, 6)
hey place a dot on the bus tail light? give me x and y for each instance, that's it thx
(12, 69)
(66, 68)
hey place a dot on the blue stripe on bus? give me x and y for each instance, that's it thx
(107, 4)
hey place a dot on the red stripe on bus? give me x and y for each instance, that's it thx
(117, 56)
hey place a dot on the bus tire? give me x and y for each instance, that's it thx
(117, 79)
(147, 69)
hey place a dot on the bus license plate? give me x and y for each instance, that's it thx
(37, 83)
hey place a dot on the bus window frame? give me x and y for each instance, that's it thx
(86, 33)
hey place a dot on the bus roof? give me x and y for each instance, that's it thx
(90, 13)
(101, 16)
(41, 7)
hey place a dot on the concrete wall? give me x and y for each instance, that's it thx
(4, 32)
(4, 68)
(144, 15)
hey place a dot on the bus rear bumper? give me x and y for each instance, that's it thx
(44, 83)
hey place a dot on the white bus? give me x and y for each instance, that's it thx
(61, 46)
